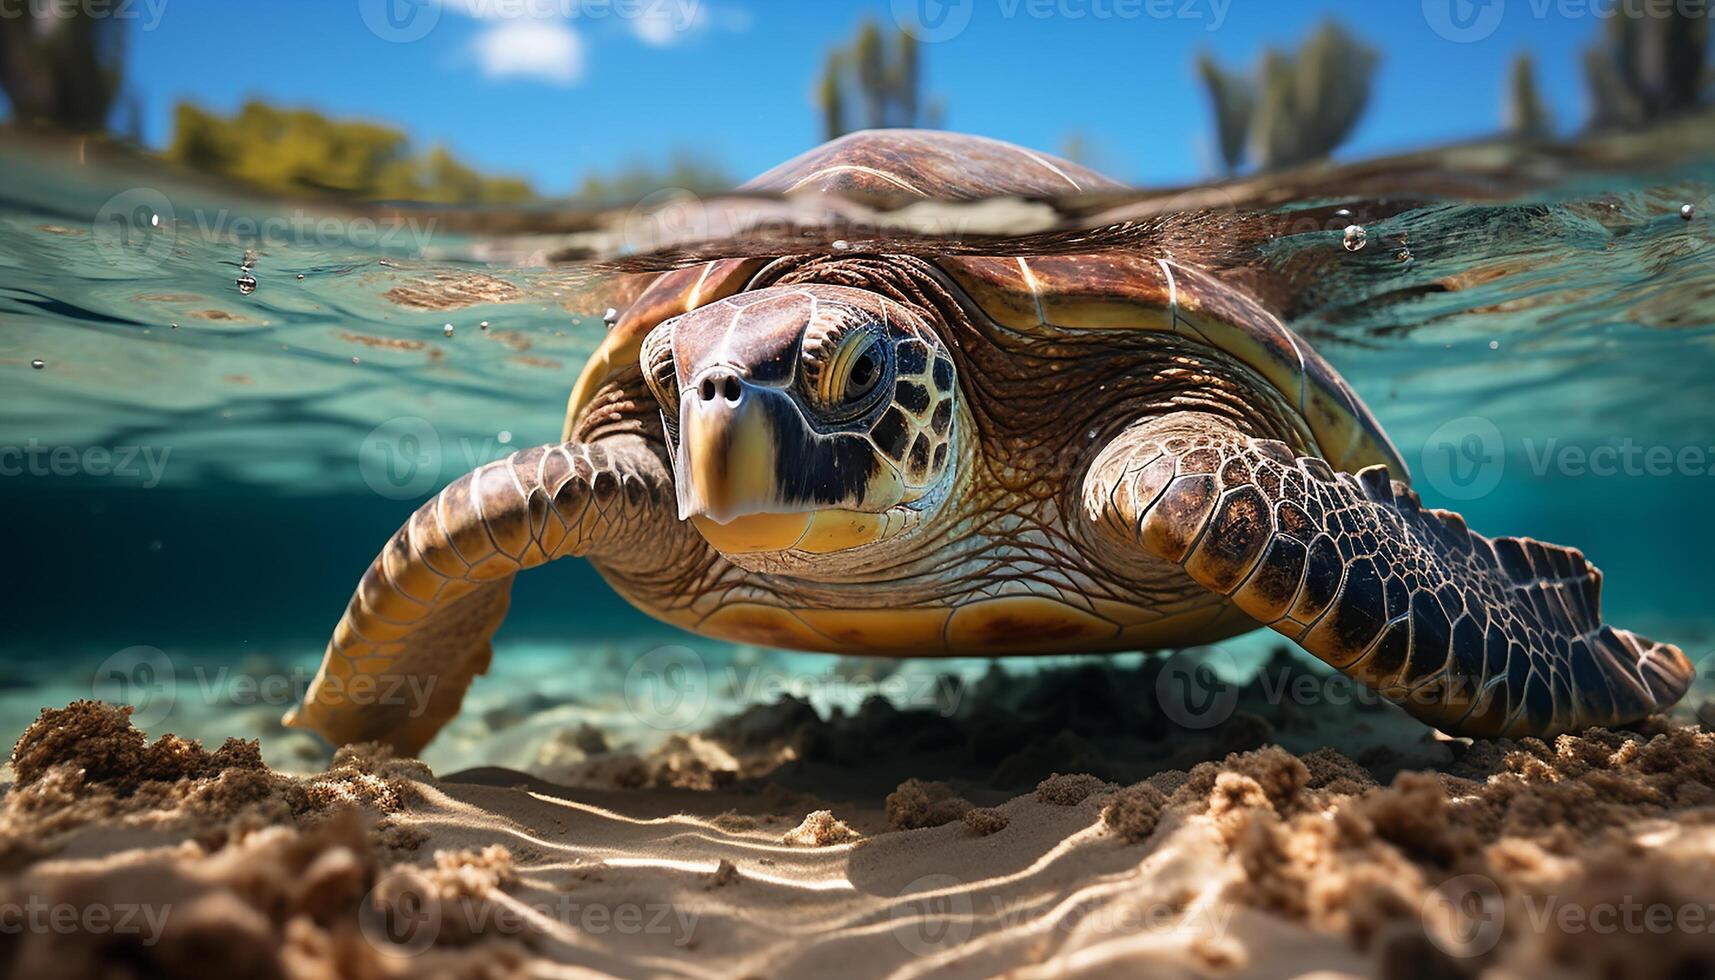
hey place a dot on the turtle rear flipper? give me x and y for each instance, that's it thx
(1474, 636)
(418, 628)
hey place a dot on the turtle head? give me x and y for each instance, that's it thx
(810, 419)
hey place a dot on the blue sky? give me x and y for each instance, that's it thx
(551, 89)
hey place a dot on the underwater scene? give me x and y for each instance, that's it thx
(248, 335)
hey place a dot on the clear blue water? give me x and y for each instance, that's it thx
(206, 471)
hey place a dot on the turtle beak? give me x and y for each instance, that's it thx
(727, 449)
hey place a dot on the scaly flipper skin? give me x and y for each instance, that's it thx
(1474, 636)
(418, 628)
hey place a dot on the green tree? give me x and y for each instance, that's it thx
(300, 150)
(879, 75)
(1297, 106)
(61, 65)
(1234, 98)
(684, 171)
(1527, 117)
(1648, 65)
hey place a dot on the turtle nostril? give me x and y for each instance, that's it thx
(722, 384)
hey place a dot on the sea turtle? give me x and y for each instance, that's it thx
(886, 454)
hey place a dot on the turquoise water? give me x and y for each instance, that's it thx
(204, 470)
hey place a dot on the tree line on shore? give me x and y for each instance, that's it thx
(1292, 107)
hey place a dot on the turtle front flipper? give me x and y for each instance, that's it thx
(1474, 636)
(418, 628)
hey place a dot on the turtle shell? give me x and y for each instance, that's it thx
(894, 164)
(1129, 291)
(1100, 291)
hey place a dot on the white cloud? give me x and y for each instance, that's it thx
(664, 22)
(522, 48)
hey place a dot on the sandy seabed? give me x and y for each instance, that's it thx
(1056, 825)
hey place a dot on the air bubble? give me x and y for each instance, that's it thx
(1688, 211)
(447, 330)
(246, 283)
(38, 364)
(610, 316)
(1355, 238)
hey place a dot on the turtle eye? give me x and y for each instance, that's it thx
(846, 383)
(864, 373)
